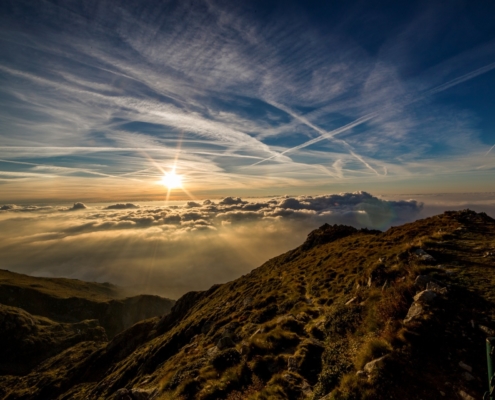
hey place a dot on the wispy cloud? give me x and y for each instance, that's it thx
(102, 90)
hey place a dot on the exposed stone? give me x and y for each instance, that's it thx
(486, 330)
(465, 396)
(467, 376)
(206, 327)
(421, 281)
(465, 366)
(123, 394)
(426, 296)
(375, 365)
(143, 394)
(424, 256)
(436, 287)
(415, 311)
(351, 301)
(292, 364)
(244, 348)
(225, 342)
(361, 374)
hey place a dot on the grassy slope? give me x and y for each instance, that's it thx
(60, 287)
(295, 336)
(72, 300)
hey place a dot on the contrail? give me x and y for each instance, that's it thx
(362, 120)
(491, 148)
(324, 135)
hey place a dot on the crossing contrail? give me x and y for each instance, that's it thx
(328, 135)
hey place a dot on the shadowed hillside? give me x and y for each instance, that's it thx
(72, 300)
(350, 314)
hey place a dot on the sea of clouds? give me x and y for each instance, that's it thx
(169, 250)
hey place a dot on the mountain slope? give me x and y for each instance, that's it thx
(72, 300)
(347, 315)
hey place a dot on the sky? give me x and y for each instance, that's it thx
(100, 99)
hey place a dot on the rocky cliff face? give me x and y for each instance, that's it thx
(350, 314)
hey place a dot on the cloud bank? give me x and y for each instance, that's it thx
(170, 250)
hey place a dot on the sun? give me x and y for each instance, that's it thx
(172, 180)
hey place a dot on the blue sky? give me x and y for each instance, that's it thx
(98, 99)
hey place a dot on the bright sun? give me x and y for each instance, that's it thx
(172, 180)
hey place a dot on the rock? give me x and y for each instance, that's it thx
(244, 348)
(206, 327)
(424, 256)
(486, 330)
(351, 301)
(415, 311)
(465, 366)
(421, 281)
(123, 394)
(225, 342)
(375, 365)
(143, 394)
(426, 297)
(361, 374)
(465, 396)
(436, 287)
(292, 364)
(467, 376)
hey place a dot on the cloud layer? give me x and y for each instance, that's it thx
(171, 250)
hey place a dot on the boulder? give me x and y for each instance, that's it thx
(421, 281)
(465, 396)
(432, 285)
(225, 342)
(424, 256)
(426, 297)
(375, 365)
(415, 311)
(465, 367)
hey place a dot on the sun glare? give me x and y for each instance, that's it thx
(172, 180)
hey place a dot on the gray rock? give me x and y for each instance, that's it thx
(467, 376)
(465, 367)
(486, 330)
(225, 342)
(292, 364)
(424, 256)
(361, 374)
(206, 327)
(421, 281)
(143, 394)
(123, 394)
(244, 348)
(426, 296)
(415, 311)
(436, 287)
(351, 301)
(375, 365)
(465, 396)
